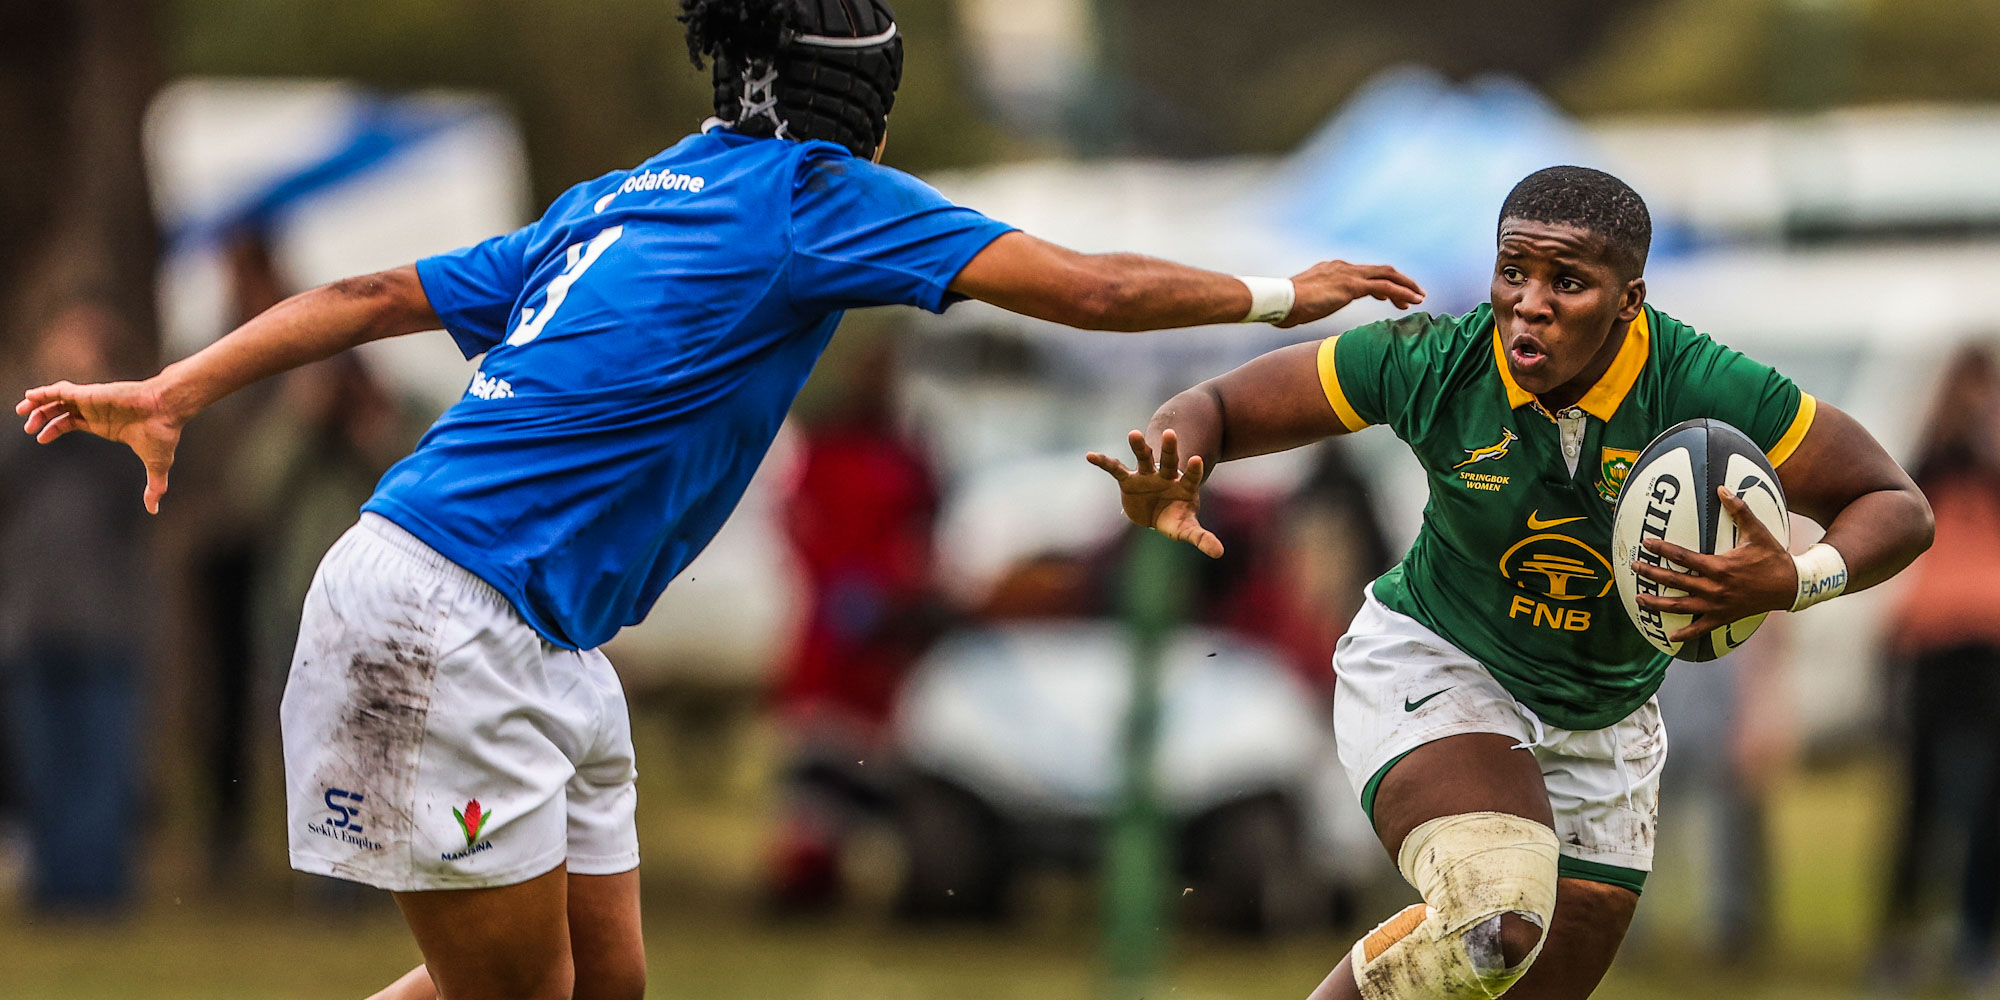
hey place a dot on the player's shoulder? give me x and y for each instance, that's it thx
(1670, 336)
(1436, 337)
(825, 167)
(1678, 345)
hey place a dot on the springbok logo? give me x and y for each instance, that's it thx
(1617, 465)
(1496, 450)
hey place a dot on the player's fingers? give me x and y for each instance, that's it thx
(21, 408)
(1209, 545)
(1180, 525)
(1170, 454)
(58, 425)
(1196, 471)
(1694, 561)
(156, 485)
(1142, 453)
(43, 393)
(1694, 630)
(1389, 291)
(1399, 279)
(1685, 582)
(1747, 521)
(1109, 464)
(1687, 605)
(41, 415)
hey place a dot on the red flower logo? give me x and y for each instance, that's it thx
(470, 821)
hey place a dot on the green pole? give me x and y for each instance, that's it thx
(1154, 597)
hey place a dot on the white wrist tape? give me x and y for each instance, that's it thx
(1822, 575)
(1270, 298)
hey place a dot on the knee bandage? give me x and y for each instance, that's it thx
(1472, 869)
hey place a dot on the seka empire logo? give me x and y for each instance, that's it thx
(343, 819)
(471, 822)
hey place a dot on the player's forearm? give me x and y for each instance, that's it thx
(1114, 291)
(307, 327)
(1134, 293)
(1879, 533)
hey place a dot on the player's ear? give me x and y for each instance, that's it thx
(1634, 297)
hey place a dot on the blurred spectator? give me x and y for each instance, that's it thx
(74, 606)
(1733, 738)
(1297, 572)
(1945, 645)
(304, 470)
(223, 567)
(860, 518)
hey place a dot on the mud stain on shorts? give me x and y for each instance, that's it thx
(381, 730)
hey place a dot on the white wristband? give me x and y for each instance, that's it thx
(1270, 298)
(1822, 575)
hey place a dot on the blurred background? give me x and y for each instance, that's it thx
(888, 723)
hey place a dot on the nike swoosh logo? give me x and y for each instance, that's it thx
(1411, 706)
(1535, 522)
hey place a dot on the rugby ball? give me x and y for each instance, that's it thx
(1670, 495)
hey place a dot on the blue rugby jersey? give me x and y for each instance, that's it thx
(644, 339)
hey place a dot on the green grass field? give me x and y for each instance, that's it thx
(708, 942)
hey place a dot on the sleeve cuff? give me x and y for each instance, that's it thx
(1801, 423)
(469, 342)
(941, 297)
(1329, 381)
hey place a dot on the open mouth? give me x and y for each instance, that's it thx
(1526, 353)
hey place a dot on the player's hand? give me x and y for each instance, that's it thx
(1166, 497)
(1326, 288)
(1754, 577)
(131, 413)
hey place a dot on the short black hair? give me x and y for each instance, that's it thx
(1590, 200)
(800, 69)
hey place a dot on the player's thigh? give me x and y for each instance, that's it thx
(506, 943)
(1464, 773)
(604, 936)
(1590, 923)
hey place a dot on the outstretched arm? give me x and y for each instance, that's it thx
(1273, 403)
(1875, 518)
(148, 416)
(1129, 292)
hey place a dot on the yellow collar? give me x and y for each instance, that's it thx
(1603, 398)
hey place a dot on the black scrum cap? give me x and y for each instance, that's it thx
(800, 69)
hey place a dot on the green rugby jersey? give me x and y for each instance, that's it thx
(1511, 562)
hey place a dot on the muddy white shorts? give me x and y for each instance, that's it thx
(1400, 685)
(434, 741)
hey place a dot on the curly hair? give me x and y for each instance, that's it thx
(1590, 200)
(800, 69)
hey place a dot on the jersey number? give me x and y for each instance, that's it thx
(581, 256)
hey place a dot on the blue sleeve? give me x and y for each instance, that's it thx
(867, 235)
(473, 289)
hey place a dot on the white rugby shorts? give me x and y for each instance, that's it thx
(1399, 686)
(434, 741)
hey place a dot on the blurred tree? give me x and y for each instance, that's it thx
(1715, 55)
(1190, 78)
(598, 86)
(1264, 73)
(75, 76)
